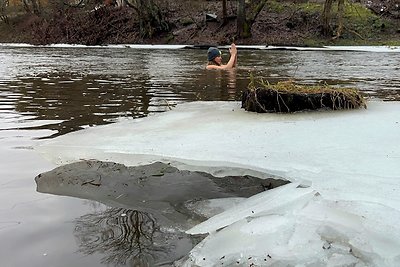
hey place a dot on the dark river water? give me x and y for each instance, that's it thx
(50, 91)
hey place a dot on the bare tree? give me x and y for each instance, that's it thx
(247, 13)
(224, 12)
(340, 18)
(327, 18)
(242, 29)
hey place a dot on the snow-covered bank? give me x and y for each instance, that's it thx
(350, 159)
(384, 49)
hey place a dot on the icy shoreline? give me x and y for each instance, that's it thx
(379, 49)
(349, 215)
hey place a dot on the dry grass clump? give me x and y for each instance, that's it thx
(287, 96)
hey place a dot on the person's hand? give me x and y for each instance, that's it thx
(233, 49)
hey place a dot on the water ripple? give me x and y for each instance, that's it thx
(80, 87)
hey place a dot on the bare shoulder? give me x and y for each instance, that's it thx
(213, 67)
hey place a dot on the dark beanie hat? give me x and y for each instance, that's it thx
(212, 53)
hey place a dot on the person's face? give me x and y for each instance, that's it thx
(218, 60)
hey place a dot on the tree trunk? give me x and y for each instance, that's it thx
(224, 11)
(247, 13)
(256, 7)
(340, 18)
(241, 18)
(326, 18)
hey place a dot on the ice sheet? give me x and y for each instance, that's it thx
(321, 234)
(269, 202)
(371, 49)
(351, 158)
(346, 154)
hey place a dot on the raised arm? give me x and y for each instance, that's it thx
(232, 61)
(235, 63)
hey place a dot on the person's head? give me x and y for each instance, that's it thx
(214, 55)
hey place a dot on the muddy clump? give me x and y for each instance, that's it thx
(290, 97)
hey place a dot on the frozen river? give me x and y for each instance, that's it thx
(47, 92)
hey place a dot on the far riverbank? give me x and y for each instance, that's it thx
(286, 23)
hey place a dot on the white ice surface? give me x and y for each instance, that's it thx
(351, 158)
(210, 207)
(135, 46)
(268, 202)
(373, 49)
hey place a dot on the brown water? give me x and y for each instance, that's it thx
(47, 92)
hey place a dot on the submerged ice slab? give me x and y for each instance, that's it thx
(351, 158)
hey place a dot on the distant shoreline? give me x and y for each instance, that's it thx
(382, 48)
(282, 24)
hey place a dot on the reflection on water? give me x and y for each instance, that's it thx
(150, 207)
(82, 87)
(79, 101)
(124, 237)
